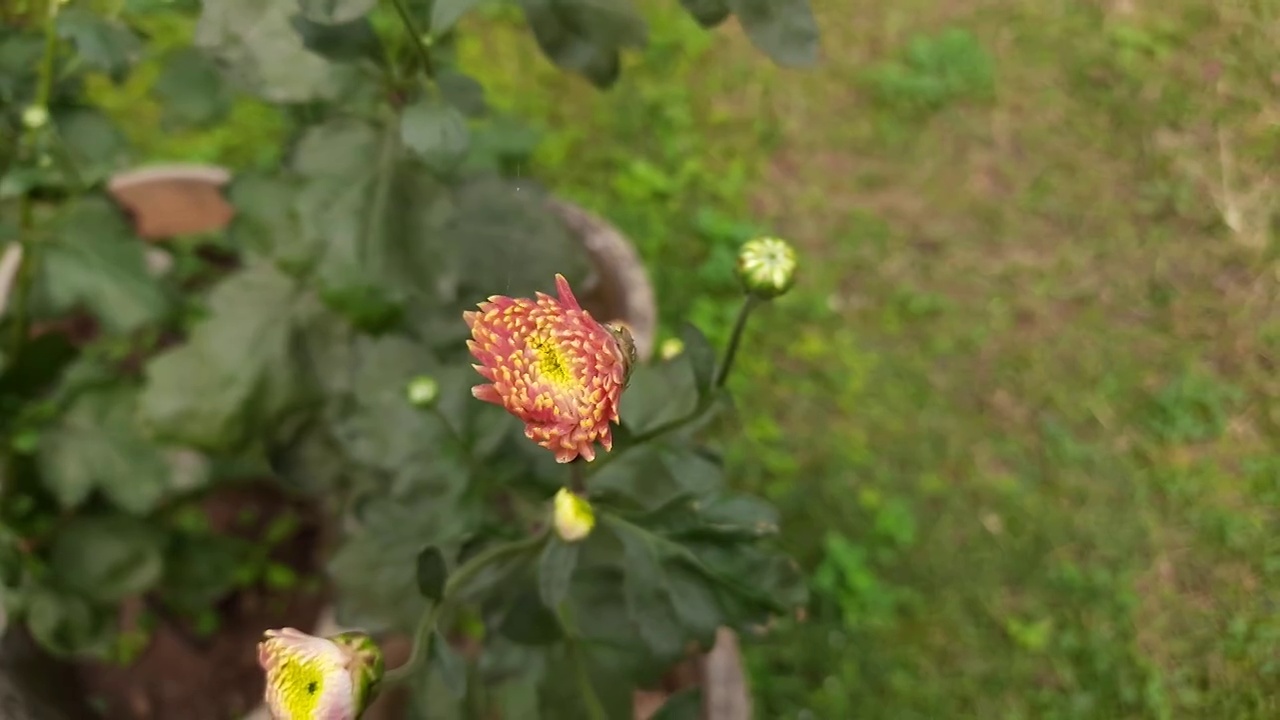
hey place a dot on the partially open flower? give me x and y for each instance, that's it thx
(573, 516)
(552, 365)
(315, 678)
(767, 266)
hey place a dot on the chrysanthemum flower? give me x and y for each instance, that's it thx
(315, 678)
(552, 365)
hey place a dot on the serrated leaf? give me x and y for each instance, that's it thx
(446, 13)
(256, 41)
(334, 12)
(569, 45)
(242, 368)
(683, 705)
(658, 393)
(95, 262)
(451, 666)
(355, 40)
(708, 13)
(67, 624)
(101, 42)
(93, 144)
(495, 218)
(95, 445)
(436, 132)
(700, 356)
(107, 557)
(372, 220)
(190, 88)
(373, 570)
(527, 621)
(647, 593)
(555, 571)
(785, 30)
(432, 571)
(463, 92)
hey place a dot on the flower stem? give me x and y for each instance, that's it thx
(457, 581)
(26, 212)
(577, 476)
(411, 27)
(731, 351)
(587, 691)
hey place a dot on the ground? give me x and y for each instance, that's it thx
(1020, 411)
(1024, 433)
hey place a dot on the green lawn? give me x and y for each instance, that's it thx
(1025, 432)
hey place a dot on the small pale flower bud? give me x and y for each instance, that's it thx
(423, 391)
(671, 348)
(574, 517)
(315, 678)
(35, 117)
(767, 267)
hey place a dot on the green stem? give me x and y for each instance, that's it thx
(577, 476)
(411, 27)
(587, 691)
(731, 351)
(459, 579)
(26, 212)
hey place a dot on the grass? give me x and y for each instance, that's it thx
(1021, 412)
(1026, 437)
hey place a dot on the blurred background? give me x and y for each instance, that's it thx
(1020, 412)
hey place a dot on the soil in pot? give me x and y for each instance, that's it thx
(185, 674)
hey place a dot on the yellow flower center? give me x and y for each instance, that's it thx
(300, 684)
(551, 361)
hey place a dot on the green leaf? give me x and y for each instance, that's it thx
(527, 621)
(349, 41)
(102, 43)
(555, 571)
(67, 624)
(658, 393)
(647, 592)
(371, 219)
(683, 705)
(241, 370)
(701, 357)
(446, 13)
(200, 570)
(463, 92)
(96, 445)
(785, 30)
(107, 557)
(432, 573)
(495, 218)
(334, 12)
(568, 44)
(708, 13)
(94, 261)
(256, 41)
(451, 666)
(190, 89)
(93, 144)
(373, 570)
(437, 132)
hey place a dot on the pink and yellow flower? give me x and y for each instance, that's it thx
(316, 678)
(552, 365)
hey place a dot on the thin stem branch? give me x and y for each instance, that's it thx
(425, 631)
(26, 212)
(735, 339)
(587, 691)
(411, 27)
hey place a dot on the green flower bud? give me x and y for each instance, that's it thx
(35, 117)
(423, 391)
(767, 267)
(574, 517)
(671, 348)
